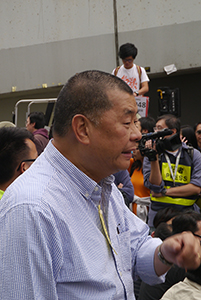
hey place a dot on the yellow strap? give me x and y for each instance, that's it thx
(116, 70)
(104, 227)
(177, 201)
(139, 72)
(138, 69)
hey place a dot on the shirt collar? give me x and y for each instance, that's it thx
(84, 184)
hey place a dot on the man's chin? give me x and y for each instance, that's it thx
(124, 166)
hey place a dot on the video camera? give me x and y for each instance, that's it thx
(171, 144)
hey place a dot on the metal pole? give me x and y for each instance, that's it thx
(116, 32)
(32, 101)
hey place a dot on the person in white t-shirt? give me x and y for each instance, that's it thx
(134, 75)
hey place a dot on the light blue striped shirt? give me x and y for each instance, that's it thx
(52, 245)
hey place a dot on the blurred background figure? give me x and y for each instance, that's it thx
(165, 215)
(124, 184)
(188, 136)
(197, 129)
(35, 124)
(17, 153)
(190, 287)
(141, 199)
(147, 124)
(168, 222)
(6, 124)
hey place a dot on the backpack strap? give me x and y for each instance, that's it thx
(190, 151)
(116, 70)
(139, 72)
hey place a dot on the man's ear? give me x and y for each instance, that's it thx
(144, 130)
(80, 126)
(174, 130)
(23, 167)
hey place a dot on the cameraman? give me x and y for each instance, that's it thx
(174, 177)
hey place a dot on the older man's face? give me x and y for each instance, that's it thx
(115, 137)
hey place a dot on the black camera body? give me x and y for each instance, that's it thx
(170, 144)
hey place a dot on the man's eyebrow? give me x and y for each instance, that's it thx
(129, 112)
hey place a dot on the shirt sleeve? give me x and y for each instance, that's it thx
(143, 259)
(144, 76)
(124, 178)
(196, 171)
(146, 174)
(30, 254)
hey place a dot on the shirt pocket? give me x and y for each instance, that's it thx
(125, 250)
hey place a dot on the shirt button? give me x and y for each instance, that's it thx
(87, 195)
(96, 189)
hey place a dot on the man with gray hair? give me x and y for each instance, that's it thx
(71, 236)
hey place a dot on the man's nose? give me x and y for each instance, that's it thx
(135, 134)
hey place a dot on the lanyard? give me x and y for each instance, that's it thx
(176, 166)
(104, 227)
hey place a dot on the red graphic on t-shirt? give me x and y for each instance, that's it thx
(132, 82)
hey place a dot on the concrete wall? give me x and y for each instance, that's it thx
(44, 42)
(47, 41)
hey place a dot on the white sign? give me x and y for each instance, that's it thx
(143, 105)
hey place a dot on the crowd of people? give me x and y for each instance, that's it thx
(98, 215)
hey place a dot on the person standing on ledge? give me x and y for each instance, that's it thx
(134, 75)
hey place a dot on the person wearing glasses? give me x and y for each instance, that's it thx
(197, 129)
(134, 75)
(174, 177)
(17, 153)
(66, 232)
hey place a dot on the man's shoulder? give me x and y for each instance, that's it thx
(41, 132)
(29, 187)
(193, 153)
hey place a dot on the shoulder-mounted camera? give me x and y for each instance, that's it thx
(162, 144)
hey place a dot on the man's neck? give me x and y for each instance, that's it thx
(173, 152)
(128, 68)
(3, 187)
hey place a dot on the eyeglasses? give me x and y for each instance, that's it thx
(25, 160)
(158, 128)
(198, 132)
(128, 60)
(197, 235)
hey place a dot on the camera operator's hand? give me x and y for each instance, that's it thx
(156, 195)
(150, 150)
(150, 144)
